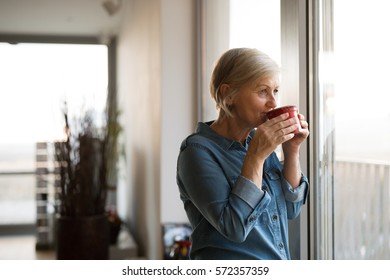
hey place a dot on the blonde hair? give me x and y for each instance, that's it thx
(236, 67)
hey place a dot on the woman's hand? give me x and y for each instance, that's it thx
(291, 166)
(270, 134)
(299, 137)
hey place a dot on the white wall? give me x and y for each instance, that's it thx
(178, 103)
(139, 94)
(216, 26)
(157, 93)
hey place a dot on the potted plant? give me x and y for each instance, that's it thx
(115, 224)
(82, 222)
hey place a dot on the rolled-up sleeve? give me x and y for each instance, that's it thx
(248, 191)
(295, 194)
(295, 197)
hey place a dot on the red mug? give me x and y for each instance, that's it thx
(291, 109)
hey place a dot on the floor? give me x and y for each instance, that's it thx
(22, 247)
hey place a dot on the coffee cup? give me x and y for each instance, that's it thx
(291, 109)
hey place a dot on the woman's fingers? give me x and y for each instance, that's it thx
(304, 124)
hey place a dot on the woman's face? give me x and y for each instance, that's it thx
(254, 99)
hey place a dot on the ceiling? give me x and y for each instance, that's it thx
(60, 17)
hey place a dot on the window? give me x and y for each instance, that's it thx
(353, 188)
(233, 24)
(362, 130)
(256, 24)
(36, 80)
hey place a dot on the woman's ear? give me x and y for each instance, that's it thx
(225, 90)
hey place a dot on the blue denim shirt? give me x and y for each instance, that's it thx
(231, 217)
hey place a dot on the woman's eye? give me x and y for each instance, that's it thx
(263, 92)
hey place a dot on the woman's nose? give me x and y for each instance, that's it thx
(272, 101)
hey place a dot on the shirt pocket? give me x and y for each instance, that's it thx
(273, 175)
(264, 218)
(272, 182)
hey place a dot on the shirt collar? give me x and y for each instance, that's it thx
(205, 130)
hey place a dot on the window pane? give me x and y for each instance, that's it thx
(362, 130)
(233, 24)
(256, 24)
(17, 205)
(36, 80)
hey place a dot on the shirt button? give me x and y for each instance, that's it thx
(275, 217)
(263, 188)
(281, 246)
(251, 219)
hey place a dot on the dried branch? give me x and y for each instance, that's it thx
(83, 168)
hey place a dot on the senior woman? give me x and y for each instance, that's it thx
(237, 195)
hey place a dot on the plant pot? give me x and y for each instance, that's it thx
(83, 238)
(114, 232)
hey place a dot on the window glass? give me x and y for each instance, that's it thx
(36, 80)
(234, 24)
(256, 24)
(362, 138)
